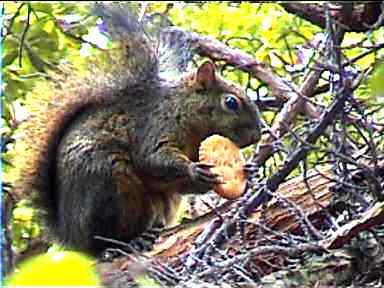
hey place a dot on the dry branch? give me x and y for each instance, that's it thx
(216, 50)
(374, 216)
(360, 17)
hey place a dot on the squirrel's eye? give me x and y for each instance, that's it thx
(231, 103)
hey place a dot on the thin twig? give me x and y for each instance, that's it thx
(24, 34)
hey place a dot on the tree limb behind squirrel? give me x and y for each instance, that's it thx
(110, 154)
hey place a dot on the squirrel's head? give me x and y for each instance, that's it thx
(224, 108)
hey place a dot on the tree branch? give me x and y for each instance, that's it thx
(361, 18)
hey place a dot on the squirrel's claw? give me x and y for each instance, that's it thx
(152, 234)
(145, 241)
(201, 172)
(141, 244)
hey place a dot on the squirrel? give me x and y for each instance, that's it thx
(112, 153)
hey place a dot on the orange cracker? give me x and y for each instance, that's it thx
(228, 161)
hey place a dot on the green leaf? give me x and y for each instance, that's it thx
(11, 51)
(9, 57)
(42, 7)
(41, 39)
(376, 81)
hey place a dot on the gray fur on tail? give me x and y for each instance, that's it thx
(153, 50)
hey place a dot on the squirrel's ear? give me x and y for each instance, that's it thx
(206, 74)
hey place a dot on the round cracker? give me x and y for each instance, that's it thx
(228, 163)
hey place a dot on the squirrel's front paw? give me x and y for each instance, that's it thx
(202, 172)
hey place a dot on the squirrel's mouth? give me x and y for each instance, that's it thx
(245, 137)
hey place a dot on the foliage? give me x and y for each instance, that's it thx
(24, 224)
(38, 37)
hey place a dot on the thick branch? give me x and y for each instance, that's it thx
(360, 19)
(374, 216)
